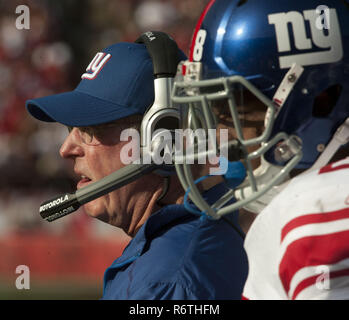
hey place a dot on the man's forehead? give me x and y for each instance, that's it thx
(119, 123)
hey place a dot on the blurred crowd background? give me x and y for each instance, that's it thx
(49, 58)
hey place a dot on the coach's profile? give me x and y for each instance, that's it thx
(173, 254)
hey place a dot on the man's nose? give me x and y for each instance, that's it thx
(71, 146)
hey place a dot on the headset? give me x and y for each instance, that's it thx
(161, 115)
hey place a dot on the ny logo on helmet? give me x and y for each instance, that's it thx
(319, 40)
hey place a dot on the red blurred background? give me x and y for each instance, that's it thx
(66, 258)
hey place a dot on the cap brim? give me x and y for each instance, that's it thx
(76, 109)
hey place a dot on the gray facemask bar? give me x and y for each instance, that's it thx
(183, 170)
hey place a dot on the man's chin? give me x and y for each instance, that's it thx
(96, 211)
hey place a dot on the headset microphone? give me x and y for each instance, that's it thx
(165, 57)
(67, 203)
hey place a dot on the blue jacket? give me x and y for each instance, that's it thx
(179, 255)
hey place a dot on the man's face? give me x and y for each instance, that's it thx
(96, 152)
(251, 114)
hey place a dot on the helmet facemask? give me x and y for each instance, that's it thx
(238, 106)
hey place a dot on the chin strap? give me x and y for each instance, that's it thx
(267, 170)
(340, 138)
(286, 86)
(264, 173)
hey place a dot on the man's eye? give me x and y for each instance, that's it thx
(87, 130)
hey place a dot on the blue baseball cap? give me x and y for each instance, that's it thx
(117, 83)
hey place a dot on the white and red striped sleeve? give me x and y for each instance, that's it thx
(298, 247)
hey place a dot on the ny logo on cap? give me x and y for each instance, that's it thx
(96, 65)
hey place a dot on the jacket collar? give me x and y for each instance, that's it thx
(158, 221)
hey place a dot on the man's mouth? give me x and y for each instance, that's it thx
(83, 182)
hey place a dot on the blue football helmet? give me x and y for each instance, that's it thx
(291, 56)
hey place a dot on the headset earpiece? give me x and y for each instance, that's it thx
(162, 118)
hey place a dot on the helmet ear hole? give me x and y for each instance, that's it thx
(325, 102)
